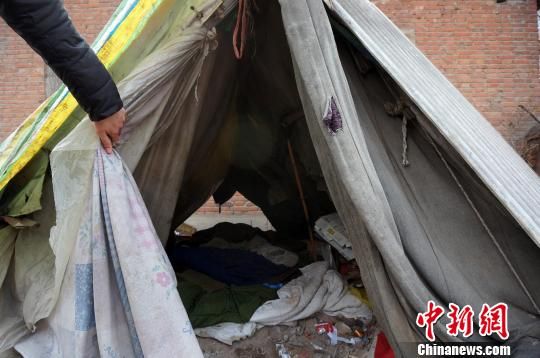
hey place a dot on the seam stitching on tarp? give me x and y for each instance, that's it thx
(484, 225)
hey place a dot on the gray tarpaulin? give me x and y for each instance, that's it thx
(418, 232)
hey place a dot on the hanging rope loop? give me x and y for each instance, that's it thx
(240, 29)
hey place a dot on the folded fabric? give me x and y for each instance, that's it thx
(205, 282)
(228, 231)
(231, 304)
(317, 290)
(228, 332)
(231, 266)
(260, 246)
(190, 294)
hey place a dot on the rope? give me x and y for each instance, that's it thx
(394, 110)
(240, 29)
(482, 221)
(404, 159)
(209, 44)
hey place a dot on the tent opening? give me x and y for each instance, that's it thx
(252, 137)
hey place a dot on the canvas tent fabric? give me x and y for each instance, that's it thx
(118, 288)
(459, 224)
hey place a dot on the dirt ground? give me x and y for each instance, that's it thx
(300, 341)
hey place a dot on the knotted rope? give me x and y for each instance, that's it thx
(404, 158)
(394, 110)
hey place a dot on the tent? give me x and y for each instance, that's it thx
(437, 205)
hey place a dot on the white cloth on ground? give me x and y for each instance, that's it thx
(319, 289)
(228, 332)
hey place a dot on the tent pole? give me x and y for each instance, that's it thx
(311, 245)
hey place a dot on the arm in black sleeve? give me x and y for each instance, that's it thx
(47, 28)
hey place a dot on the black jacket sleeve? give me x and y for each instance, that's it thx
(47, 28)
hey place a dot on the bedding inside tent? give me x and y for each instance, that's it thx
(423, 223)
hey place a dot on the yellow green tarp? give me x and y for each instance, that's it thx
(24, 154)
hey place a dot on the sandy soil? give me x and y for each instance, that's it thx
(301, 341)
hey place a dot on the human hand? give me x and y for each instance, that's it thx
(109, 129)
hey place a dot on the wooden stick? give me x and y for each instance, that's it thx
(302, 199)
(529, 112)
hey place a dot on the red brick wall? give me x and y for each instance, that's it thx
(238, 205)
(22, 85)
(489, 51)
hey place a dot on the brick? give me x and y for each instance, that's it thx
(483, 47)
(22, 72)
